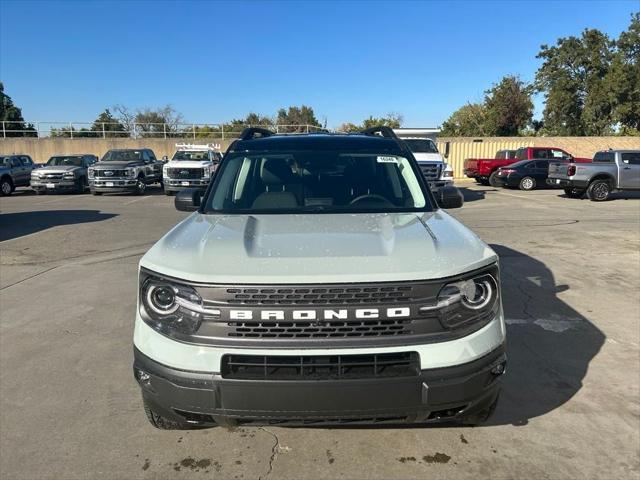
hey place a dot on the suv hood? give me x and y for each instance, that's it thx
(188, 163)
(118, 165)
(428, 157)
(58, 168)
(317, 248)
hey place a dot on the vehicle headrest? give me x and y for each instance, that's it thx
(276, 172)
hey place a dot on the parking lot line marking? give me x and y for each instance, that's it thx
(137, 200)
(66, 197)
(532, 199)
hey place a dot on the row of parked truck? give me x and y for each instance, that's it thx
(528, 168)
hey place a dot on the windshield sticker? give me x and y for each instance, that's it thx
(387, 160)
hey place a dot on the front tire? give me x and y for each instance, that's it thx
(493, 179)
(574, 192)
(140, 186)
(599, 190)
(6, 187)
(527, 183)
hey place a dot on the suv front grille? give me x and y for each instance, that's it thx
(320, 367)
(431, 172)
(313, 296)
(185, 173)
(332, 329)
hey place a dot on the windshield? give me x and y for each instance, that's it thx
(122, 156)
(419, 145)
(58, 161)
(316, 181)
(5, 161)
(200, 156)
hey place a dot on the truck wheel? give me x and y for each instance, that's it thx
(6, 187)
(483, 181)
(527, 183)
(492, 179)
(482, 416)
(574, 192)
(161, 422)
(599, 190)
(140, 186)
(169, 193)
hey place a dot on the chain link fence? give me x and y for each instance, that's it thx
(9, 129)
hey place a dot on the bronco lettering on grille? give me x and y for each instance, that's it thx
(339, 314)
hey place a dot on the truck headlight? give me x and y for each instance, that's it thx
(130, 172)
(467, 301)
(206, 172)
(68, 175)
(170, 307)
(447, 172)
(91, 173)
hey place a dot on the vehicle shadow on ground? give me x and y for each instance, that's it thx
(628, 195)
(550, 345)
(16, 225)
(473, 195)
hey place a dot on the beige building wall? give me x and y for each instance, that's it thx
(460, 148)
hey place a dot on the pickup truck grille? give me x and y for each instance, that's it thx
(327, 296)
(114, 173)
(51, 177)
(431, 172)
(185, 173)
(320, 367)
(332, 329)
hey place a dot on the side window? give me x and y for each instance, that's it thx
(151, 156)
(604, 157)
(631, 158)
(145, 156)
(542, 165)
(26, 161)
(542, 153)
(530, 165)
(15, 162)
(559, 154)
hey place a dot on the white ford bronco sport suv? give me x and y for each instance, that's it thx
(317, 281)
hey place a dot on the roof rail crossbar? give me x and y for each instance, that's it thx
(253, 132)
(381, 131)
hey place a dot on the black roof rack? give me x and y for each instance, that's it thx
(253, 132)
(382, 131)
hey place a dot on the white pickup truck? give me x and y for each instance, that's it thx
(192, 166)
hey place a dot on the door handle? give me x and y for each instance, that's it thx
(627, 168)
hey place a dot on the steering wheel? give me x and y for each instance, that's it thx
(369, 196)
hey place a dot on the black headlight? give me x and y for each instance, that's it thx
(169, 306)
(467, 301)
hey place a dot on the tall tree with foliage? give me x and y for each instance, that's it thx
(572, 78)
(391, 120)
(467, 121)
(508, 108)
(14, 125)
(302, 117)
(109, 125)
(623, 79)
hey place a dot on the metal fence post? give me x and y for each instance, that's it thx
(164, 127)
(222, 129)
(194, 131)
(71, 129)
(307, 128)
(104, 135)
(4, 133)
(37, 129)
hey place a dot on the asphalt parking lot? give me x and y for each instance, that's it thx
(69, 407)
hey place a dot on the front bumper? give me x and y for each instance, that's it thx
(59, 185)
(117, 185)
(433, 395)
(566, 183)
(175, 185)
(506, 181)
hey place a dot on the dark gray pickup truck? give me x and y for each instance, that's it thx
(611, 170)
(15, 171)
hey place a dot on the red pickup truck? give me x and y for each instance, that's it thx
(484, 170)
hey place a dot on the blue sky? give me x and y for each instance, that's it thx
(214, 61)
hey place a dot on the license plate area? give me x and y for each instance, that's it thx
(108, 184)
(50, 185)
(185, 184)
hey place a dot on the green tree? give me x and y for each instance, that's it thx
(300, 117)
(156, 122)
(623, 79)
(508, 108)
(391, 120)
(109, 125)
(467, 121)
(14, 125)
(572, 79)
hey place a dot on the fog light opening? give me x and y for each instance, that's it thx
(499, 369)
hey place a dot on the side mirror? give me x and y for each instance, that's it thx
(165, 158)
(188, 200)
(449, 197)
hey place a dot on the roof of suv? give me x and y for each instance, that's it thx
(318, 141)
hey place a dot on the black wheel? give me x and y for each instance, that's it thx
(482, 416)
(161, 422)
(140, 186)
(93, 192)
(6, 187)
(527, 183)
(599, 190)
(80, 185)
(169, 193)
(483, 181)
(574, 192)
(39, 192)
(493, 179)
